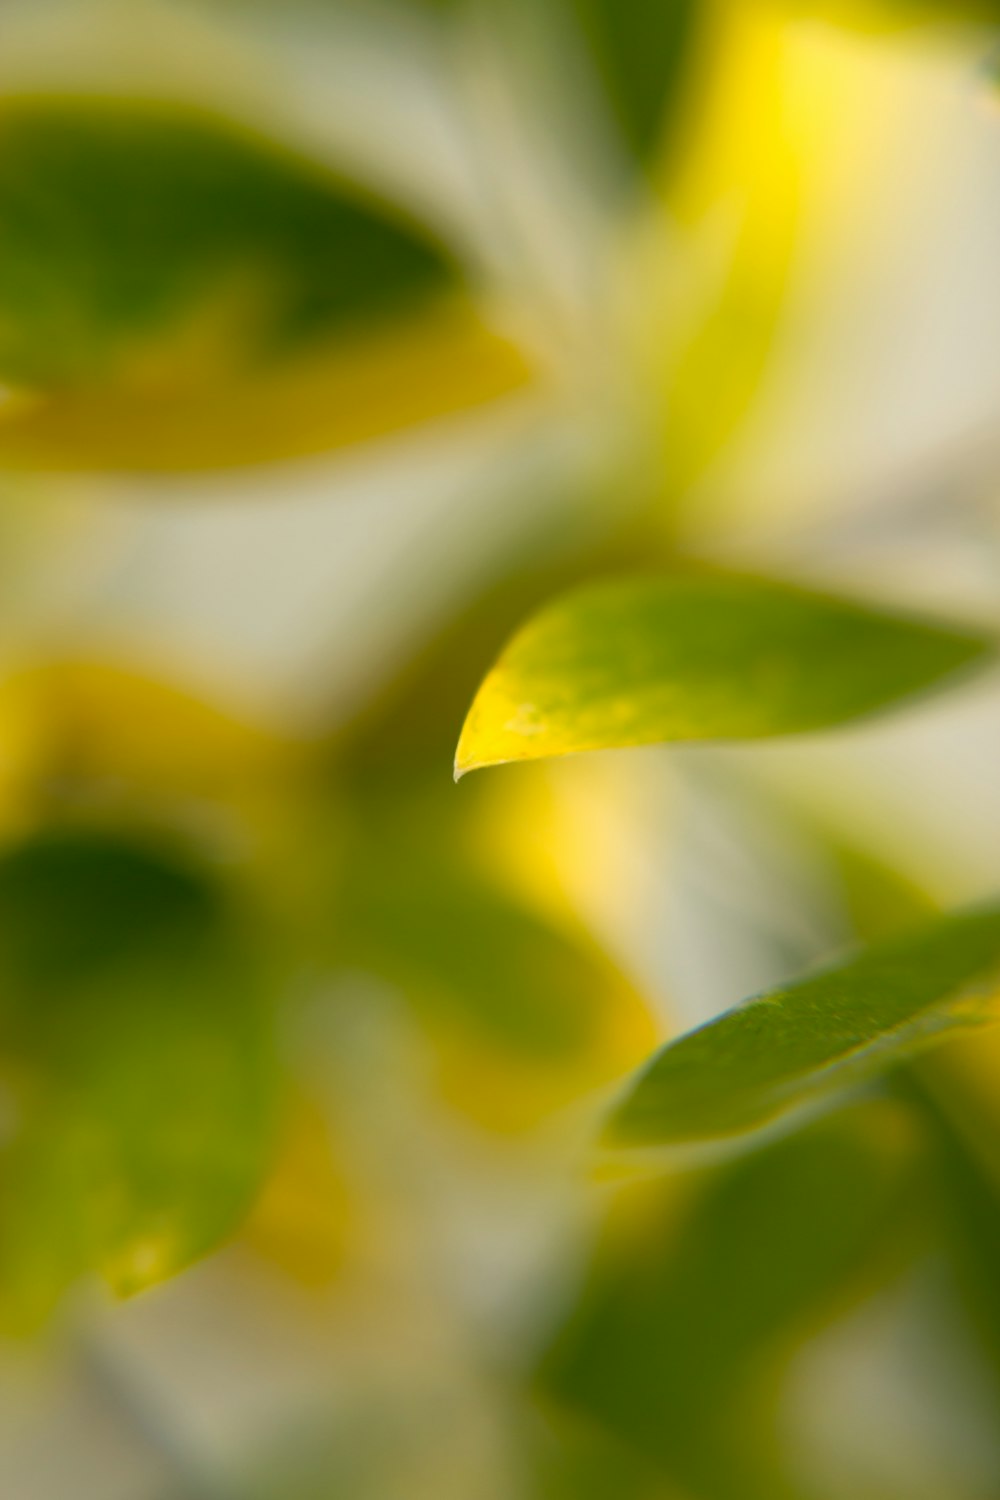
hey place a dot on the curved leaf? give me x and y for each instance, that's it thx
(699, 657)
(824, 1032)
(178, 292)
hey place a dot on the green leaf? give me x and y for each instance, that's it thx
(639, 49)
(117, 220)
(699, 656)
(176, 291)
(703, 1286)
(135, 1053)
(524, 1013)
(827, 1031)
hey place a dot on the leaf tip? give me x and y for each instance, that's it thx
(469, 753)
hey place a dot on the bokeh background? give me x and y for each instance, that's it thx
(335, 336)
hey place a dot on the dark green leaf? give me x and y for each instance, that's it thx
(639, 49)
(117, 220)
(178, 293)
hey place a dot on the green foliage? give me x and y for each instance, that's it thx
(827, 1031)
(136, 1049)
(702, 1288)
(119, 220)
(699, 657)
(640, 50)
(177, 291)
(426, 922)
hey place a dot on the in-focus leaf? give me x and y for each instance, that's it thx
(824, 1032)
(178, 292)
(703, 1286)
(701, 656)
(135, 1052)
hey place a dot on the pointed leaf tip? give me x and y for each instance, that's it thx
(701, 656)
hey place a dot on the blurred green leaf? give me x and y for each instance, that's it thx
(703, 1286)
(699, 657)
(640, 49)
(957, 1095)
(525, 1013)
(825, 1032)
(176, 291)
(473, 956)
(116, 220)
(135, 1059)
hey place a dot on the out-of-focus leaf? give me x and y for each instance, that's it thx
(525, 1015)
(699, 657)
(301, 1220)
(828, 1031)
(176, 292)
(87, 722)
(880, 900)
(957, 1093)
(639, 49)
(118, 218)
(135, 1052)
(704, 1286)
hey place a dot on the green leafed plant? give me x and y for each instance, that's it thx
(827, 1031)
(700, 656)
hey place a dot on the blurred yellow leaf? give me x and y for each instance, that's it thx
(300, 1220)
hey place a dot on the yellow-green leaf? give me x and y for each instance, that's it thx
(699, 656)
(826, 1031)
(135, 1053)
